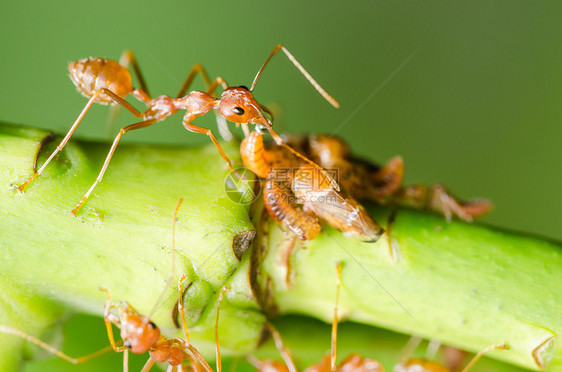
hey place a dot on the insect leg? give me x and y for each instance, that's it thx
(66, 138)
(482, 352)
(197, 129)
(285, 353)
(109, 319)
(148, 365)
(49, 348)
(198, 68)
(139, 125)
(217, 344)
(128, 58)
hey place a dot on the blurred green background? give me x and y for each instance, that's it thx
(467, 92)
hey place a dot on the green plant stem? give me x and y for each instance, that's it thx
(467, 285)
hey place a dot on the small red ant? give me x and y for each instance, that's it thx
(107, 82)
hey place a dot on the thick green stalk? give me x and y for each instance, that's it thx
(467, 285)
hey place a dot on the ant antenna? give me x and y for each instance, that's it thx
(279, 141)
(320, 90)
(334, 350)
(173, 272)
(217, 344)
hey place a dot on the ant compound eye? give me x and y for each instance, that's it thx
(244, 87)
(127, 344)
(238, 111)
(152, 325)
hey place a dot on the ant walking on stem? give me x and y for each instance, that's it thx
(107, 82)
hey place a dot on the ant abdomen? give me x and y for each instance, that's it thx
(92, 74)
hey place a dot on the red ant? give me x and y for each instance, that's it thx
(354, 361)
(301, 184)
(140, 335)
(107, 82)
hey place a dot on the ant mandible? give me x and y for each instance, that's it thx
(107, 82)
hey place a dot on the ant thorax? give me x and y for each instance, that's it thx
(162, 107)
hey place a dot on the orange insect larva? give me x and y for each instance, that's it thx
(280, 203)
(254, 155)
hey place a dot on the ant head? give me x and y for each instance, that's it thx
(139, 334)
(237, 104)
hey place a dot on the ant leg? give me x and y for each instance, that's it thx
(285, 353)
(66, 138)
(432, 348)
(217, 344)
(181, 310)
(410, 347)
(126, 360)
(139, 125)
(245, 129)
(224, 131)
(142, 94)
(334, 351)
(320, 90)
(194, 352)
(197, 129)
(211, 88)
(128, 58)
(148, 365)
(198, 68)
(197, 355)
(482, 352)
(48, 138)
(49, 348)
(109, 319)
